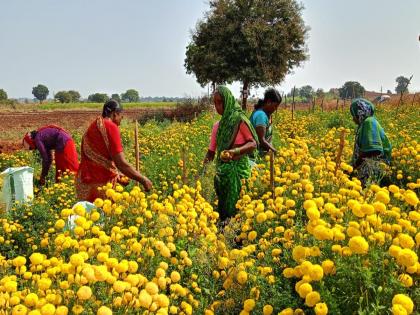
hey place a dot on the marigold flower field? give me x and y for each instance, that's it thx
(318, 243)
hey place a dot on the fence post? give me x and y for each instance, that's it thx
(293, 102)
(272, 174)
(136, 146)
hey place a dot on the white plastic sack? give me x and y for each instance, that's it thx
(17, 185)
(88, 206)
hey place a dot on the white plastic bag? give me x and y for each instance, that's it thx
(17, 185)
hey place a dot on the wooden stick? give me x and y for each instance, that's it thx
(414, 97)
(293, 102)
(402, 92)
(340, 151)
(272, 173)
(322, 104)
(184, 166)
(136, 147)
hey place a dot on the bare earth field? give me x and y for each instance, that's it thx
(13, 125)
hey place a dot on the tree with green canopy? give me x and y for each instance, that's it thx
(74, 95)
(131, 96)
(116, 97)
(40, 92)
(351, 89)
(63, 97)
(98, 98)
(306, 92)
(402, 84)
(255, 42)
(3, 95)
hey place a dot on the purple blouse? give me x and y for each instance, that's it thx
(50, 139)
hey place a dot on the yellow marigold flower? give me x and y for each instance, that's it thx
(44, 283)
(288, 272)
(309, 204)
(242, 277)
(119, 286)
(252, 235)
(299, 253)
(407, 257)
(267, 309)
(406, 280)
(312, 298)
(367, 209)
(48, 309)
(103, 310)
(394, 250)
(145, 299)
(249, 305)
(10, 286)
(328, 267)
(394, 189)
(398, 309)
(152, 288)
(36, 258)
(410, 197)
(19, 261)
(98, 202)
(76, 260)
(61, 310)
(261, 217)
(84, 293)
(405, 301)
(321, 309)
(316, 273)
(382, 196)
(175, 276)
(406, 241)
(19, 310)
(31, 299)
(286, 311)
(304, 289)
(358, 245)
(313, 213)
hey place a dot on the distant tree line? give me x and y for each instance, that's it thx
(349, 90)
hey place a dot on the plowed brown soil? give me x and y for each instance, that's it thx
(13, 125)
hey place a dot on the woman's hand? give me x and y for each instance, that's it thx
(227, 155)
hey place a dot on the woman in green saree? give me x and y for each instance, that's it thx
(233, 139)
(372, 149)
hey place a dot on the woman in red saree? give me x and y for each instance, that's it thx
(102, 156)
(49, 138)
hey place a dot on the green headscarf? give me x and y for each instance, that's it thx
(361, 109)
(232, 116)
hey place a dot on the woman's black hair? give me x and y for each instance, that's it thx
(259, 104)
(272, 95)
(110, 107)
(33, 134)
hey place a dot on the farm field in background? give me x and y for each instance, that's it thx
(318, 243)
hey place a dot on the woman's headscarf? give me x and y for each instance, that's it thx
(29, 139)
(361, 109)
(232, 116)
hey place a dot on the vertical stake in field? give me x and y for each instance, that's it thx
(136, 145)
(340, 151)
(184, 166)
(293, 102)
(272, 174)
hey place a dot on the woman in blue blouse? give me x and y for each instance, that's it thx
(261, 119)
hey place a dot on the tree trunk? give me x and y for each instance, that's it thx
(244, 94)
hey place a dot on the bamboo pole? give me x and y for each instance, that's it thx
(293, 102)
(184, 166)
(136, 146)
(272, 174)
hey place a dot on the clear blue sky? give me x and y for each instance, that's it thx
(110, 46)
